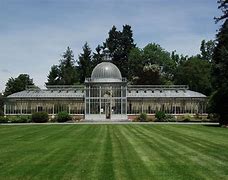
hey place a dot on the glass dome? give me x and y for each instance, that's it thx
(106, 72)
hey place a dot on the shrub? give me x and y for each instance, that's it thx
(3, 119)
(63, 116)
(20, 119)
(40, 117)
(143, 117)
(12, 118)
(160, 116)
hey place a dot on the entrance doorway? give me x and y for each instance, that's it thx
(108, 111)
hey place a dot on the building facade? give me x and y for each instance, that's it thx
(106, 96)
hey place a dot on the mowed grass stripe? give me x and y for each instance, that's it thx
(198, 143)
(113, 152)
(199, 159)
(38, 152)
(158, 157)
(128, 163)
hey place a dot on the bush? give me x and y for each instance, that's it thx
(160, 116)
(143, 117)
(20, 119)
(3, 119)
(63, 116)
(40, 117)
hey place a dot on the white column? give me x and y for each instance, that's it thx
(121, 101)
(4, 109)
(100, 98)
(69, 108)
(89, 100)
(53, 109)
(110, 103)
(175, 109)
(126, 99)
(21, 109)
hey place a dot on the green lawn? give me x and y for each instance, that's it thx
(113, 152)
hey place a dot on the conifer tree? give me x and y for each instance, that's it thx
(85, 63)
(120, 44)
(17, 84)
(220, 67)
(66, 72)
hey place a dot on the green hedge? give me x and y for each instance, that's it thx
(4, 119)
(160, 116)
(20, 119)
(143, 117)
(63, 116)
(40, 117)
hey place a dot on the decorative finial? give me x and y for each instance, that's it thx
(106, 54)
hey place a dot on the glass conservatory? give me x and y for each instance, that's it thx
(106, 96)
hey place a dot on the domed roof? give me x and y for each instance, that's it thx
(106, 72)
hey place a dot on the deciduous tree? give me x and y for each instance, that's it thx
(194, 72)
(151, 54)
(207, 49)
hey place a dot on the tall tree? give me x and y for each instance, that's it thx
(120, 44)
(135, 65)
(85, 63)
(207, 49)
(1, 105)
(195, 72)
(68, 75)
(66, 72)
(54, 76)
(220, 67)
(223, 6)
(178, 59)
(151, 54)
(20, 83)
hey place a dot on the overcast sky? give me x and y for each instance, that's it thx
(34, 33)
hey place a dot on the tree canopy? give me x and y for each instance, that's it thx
(195, 72)
(66, 72)
(151, 56)
(18, 84)
(1, 104)
(120, 44)
(207, 49)
(219, 102)
(85, 63)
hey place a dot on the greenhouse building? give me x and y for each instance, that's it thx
(106, 96)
